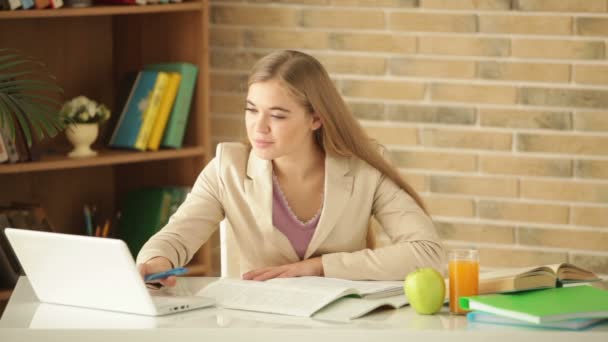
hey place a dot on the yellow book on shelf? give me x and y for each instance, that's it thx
(166, 105)
(152, 110)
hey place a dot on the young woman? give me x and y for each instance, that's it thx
(299, 196)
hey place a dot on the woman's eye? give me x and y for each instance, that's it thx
(251, 110)
(278, 116)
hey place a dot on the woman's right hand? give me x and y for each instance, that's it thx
(155, 265)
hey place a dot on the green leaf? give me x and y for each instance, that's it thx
(28, 94)
(21, 117)
(51, 124)
(41, 98)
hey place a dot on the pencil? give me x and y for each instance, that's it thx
(106, 228)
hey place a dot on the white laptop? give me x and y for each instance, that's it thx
(91, 272)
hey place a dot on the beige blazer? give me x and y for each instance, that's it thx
(237, 185)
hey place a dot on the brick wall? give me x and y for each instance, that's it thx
(495, 110)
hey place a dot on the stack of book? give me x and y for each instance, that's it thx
(156, 111)
(555, 296)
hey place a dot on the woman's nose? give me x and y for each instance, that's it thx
(261, 124)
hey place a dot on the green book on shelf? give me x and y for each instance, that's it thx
(143, 213)
(543, 306)
(178, 119)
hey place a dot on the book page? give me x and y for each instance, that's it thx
(278, 297)
(569, 273)
(347, 308)
(364, 288)
(514, 272)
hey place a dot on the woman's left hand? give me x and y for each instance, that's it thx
(308, 267)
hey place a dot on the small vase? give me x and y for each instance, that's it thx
(82, 136)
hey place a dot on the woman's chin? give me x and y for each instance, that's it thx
(264, 154)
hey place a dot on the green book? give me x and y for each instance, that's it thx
(543, 306)
(178, 119)
(143, 213)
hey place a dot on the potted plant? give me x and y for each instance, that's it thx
(83, 116)
(30, 98)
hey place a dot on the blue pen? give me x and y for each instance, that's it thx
(165, 274)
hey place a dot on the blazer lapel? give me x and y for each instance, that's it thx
(258, 187)
(338, 189)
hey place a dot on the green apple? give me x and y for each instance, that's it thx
(425, 290)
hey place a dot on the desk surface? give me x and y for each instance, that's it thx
(27, 319)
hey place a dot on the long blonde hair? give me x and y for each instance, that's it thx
(340, 133)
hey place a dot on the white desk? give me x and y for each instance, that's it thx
(25, 319)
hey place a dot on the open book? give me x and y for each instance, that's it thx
(304, 296)
(527, 278)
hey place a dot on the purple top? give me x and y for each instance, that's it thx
(299, 233)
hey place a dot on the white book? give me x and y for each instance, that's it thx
(302, 296)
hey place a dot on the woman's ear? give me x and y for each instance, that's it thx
(316, 122)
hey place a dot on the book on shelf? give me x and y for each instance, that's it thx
(10, 5)
(40, 4)
(305, 296)
(152, 110)
(166, 105)
(178, 119)
(544, 305)
(27, 4)
(527, 278)
(120, 2)
(3, 150)
(145, 211)
(9, 144)
(569, 324)
(131, 119)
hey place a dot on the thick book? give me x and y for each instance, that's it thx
(166, 105)
(543, 306)
(145, 211)
(151, 112)
(527, 278)
(569, 324)
(178, 120)
(131, 119)
(304, 296)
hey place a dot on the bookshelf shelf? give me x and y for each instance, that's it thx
(105, 157)
(101, 10)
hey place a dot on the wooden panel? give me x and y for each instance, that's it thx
(62, 193)
(78, 51)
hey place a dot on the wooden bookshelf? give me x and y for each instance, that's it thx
(90, 50)
(102, 10)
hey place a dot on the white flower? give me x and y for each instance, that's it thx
(84, 117)
(84, 110)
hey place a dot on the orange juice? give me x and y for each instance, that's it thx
(464, 278)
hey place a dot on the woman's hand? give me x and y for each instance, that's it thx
(308, 267)
(155, 265)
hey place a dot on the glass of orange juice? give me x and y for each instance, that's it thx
(463, 267)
